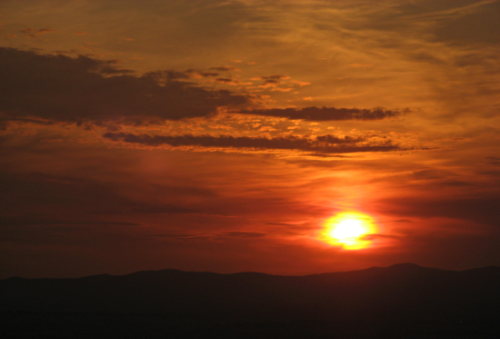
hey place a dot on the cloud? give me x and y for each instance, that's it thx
(320, 144)
(83, 89)
(274, 79)
(325, 113)
(86, 90)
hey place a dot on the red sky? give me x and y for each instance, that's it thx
(221, 134)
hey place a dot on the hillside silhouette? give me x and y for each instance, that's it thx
(399, 301)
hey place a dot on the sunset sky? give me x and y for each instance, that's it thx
(221, 135)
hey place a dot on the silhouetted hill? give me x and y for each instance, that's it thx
(400, 301)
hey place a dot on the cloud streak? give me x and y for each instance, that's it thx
(320, 144)
(326, 113)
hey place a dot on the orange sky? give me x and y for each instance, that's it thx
(221, 134)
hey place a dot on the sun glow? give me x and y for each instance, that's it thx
(350, 230)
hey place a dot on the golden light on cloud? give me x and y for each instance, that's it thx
(350, 230)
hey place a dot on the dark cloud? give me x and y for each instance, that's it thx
(325, 113)
(273, 79)
(322, 144)
(223, 68)
(224, 80)
(201, 73)
(87, 90)
(83, 89)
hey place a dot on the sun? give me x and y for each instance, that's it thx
(350, 230)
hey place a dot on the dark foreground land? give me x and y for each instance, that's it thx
(401, 301)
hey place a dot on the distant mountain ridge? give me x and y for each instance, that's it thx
(396, 298)
(399, 266)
